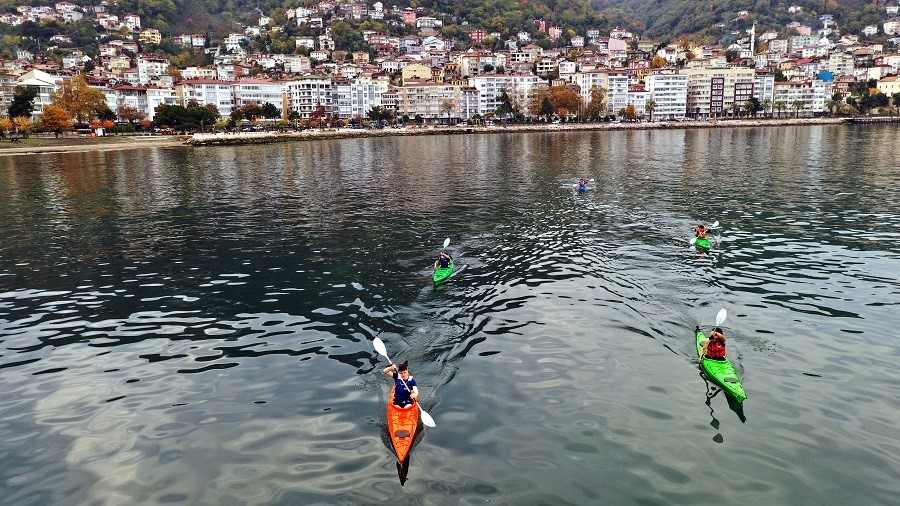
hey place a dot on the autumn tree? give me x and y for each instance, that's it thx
(6, 126)
(130, 114)
(55, 119)
(23, 125)
(565, 100)
(77, 98)
(596, 107)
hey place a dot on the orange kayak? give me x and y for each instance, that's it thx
(402, 424)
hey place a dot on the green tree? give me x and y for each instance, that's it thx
(650, 107)
(22, 104)
(269, 111)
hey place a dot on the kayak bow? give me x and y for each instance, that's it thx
(402, 425)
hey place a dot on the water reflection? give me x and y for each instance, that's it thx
(195, 325)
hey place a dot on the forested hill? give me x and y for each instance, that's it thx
(707, 20)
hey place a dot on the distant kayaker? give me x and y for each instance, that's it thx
(405, 389)
(700, 232)
(714, 346)
(582, 183)
(443, 261)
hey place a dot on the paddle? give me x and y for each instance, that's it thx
(714, 225)
(379, 347)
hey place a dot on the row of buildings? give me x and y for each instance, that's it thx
(421, 75)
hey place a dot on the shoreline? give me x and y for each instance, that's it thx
(114, 143)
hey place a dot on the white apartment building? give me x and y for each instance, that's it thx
(764, 88)
(150, 68)
(142, 98)
(427, 99)
(45, 84)
(811, 96)
(356, 97)
(259, 92)
(490, 87)
(669, 93)
(206, 92)
(307, 93)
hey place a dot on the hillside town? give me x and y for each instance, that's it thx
(811, 71)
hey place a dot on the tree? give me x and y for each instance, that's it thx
(766, 106)
(79, 100)
(752, 106)
(269, 111)
(650, 107)
(796, 105)
(565, 101)
(658, 62)
(22, 104)
(6, 126)
(447, 107)
(630, 112)
(55, 119)
(23, 125)
(780, 107)
(596, 106)
(130, 114)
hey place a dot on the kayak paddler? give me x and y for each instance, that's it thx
(405, 390)
(443, 260)
(700, 232)
(714, 346)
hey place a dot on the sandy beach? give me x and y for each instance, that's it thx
(39, 145)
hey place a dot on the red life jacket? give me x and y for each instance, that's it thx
(701, 233)
(715, 348)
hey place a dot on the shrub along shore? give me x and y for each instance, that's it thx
(35, 145)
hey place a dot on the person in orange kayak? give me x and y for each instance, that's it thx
(443, 261)
(700, 232)
(714, 346)
(405, 390)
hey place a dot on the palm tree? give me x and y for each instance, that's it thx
(780, 107)
(736, 110)
(650, 107)
(796, 106)
(767, 106)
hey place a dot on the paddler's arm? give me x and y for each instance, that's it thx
(703, 350)
(415, 392)
(390, 369)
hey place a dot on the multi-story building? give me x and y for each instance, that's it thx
(144, 99)
(802, 98)
(712, 92)
(206, 92)
(490, 87)
(356, 97)
(306, 94)
(257, 91)
(435, 102)
(669, 94)
(150, 68)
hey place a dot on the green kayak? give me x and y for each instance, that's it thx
(702, 244)
(721, 372)
(442, 273)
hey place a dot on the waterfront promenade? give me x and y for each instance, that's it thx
(79, 144)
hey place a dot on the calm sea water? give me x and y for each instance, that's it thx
(195, 325)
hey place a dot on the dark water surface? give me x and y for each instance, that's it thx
(195, 325)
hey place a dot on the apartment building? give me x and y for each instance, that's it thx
(257, 91)
(811, 97)
(669, 93)
(428, 100)
(206, 92)
(356, 97)
(307, 93)
(491, 86)
(712, 92)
